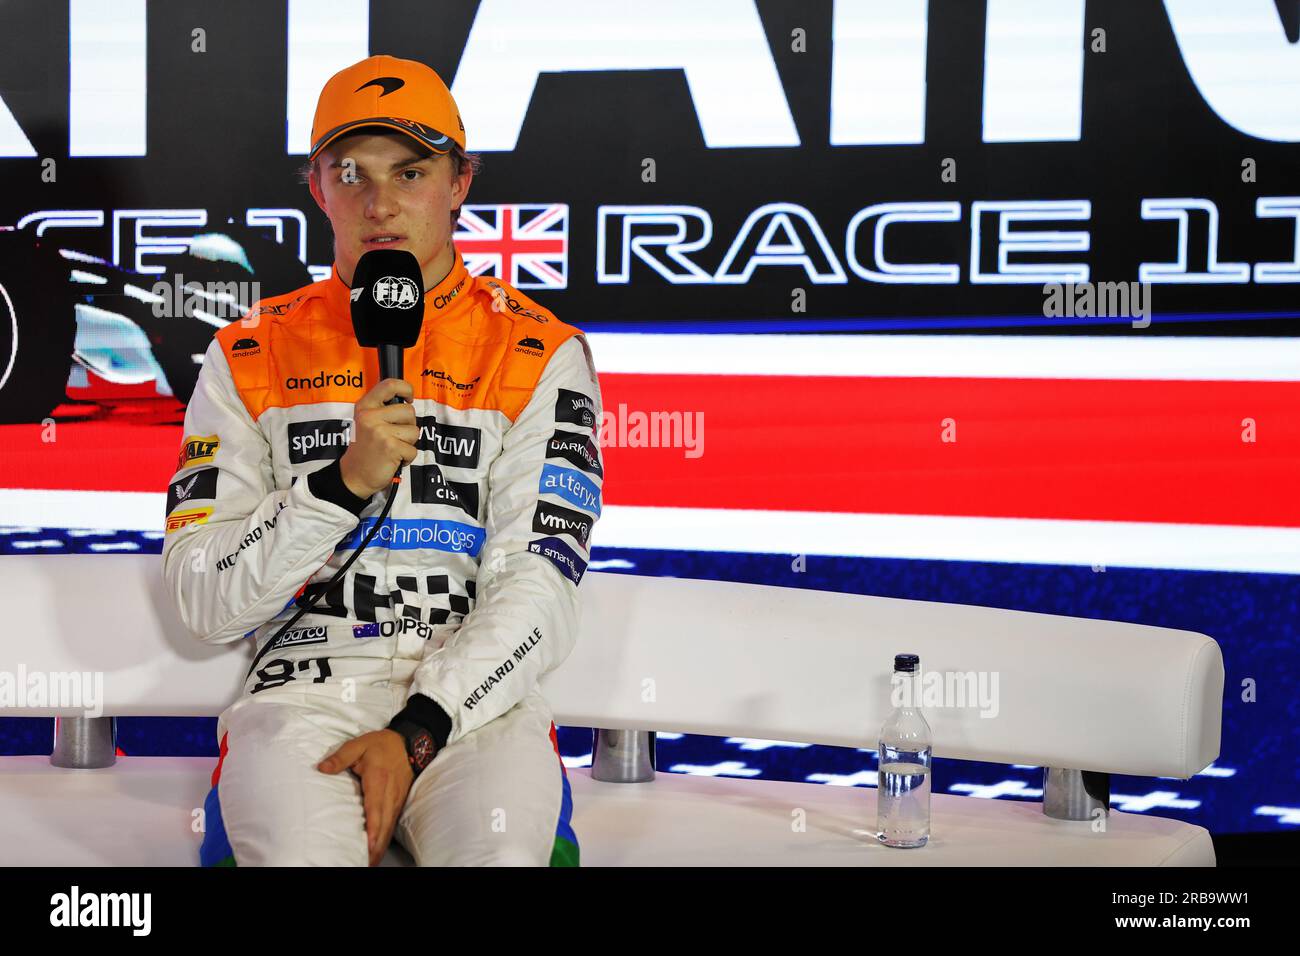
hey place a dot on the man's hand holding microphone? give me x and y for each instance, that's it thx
(383, 438)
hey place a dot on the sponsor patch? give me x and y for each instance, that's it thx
(197, 450)
(244, 347)
(444, 379)
(344, 379)
(200, 486)
(453, 445)
(415, 534)
(304, 635)
(573, 486)
(560, 555)
(390, 628)
(182, 518)
(274, 309)
(552, 519)
(577, 450)
(319, 440)
(430, 487)
(575, 408)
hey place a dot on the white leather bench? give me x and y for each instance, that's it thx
(680, 655)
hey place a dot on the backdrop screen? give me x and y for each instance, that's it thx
(983, 302)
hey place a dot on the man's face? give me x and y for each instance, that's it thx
(371, 185)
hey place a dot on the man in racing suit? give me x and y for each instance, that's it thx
(465, 597)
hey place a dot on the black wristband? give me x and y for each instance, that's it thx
(424, 712)
(327, 485)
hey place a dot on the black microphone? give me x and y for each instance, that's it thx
(388, 306)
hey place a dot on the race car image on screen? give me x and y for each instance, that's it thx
(76, 328)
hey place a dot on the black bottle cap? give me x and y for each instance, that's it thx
(907, 663)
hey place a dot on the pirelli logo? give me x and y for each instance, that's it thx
(180, 519)
(197, 450)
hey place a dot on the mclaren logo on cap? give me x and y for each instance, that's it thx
(389, 84)
(395, 292)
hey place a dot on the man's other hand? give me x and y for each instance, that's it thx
(379, 760)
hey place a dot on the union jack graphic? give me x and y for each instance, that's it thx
(526, 244)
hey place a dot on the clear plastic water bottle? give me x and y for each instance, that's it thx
(903, 790)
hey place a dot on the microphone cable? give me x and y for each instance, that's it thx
(274, 642)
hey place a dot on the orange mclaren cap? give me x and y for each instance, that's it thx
(404, 95)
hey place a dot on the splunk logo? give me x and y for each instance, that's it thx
(319, 440)
(345, 379)
(417, 534)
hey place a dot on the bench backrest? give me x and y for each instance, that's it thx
(708, 657)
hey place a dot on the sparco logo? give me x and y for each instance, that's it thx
(305, 635)
(456, 445)
(319, 441)
(395, 292)
(326, 379)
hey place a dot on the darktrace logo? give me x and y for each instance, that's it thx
(389, 84)
(575, 408)
(530, 346)
(319, 440)
(243, 347)
(441, 376)
(577, 450)
(395, 292)
(345, 379)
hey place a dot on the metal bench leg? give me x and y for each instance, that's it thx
(623, 756)
(1075, 794)
(84, 743)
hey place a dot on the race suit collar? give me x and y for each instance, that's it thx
(437, 301)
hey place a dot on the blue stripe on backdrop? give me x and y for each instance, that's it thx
(1253, 785)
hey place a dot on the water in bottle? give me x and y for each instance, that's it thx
(903, 788)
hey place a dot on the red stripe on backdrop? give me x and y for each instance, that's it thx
(116, 455)
(1033, 448)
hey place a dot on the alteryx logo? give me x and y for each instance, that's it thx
(415, 534)
(572, 486)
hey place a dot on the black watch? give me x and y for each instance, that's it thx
(421, 748)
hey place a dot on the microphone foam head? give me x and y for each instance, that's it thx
(387, 298)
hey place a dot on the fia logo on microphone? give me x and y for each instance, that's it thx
(395, 292)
